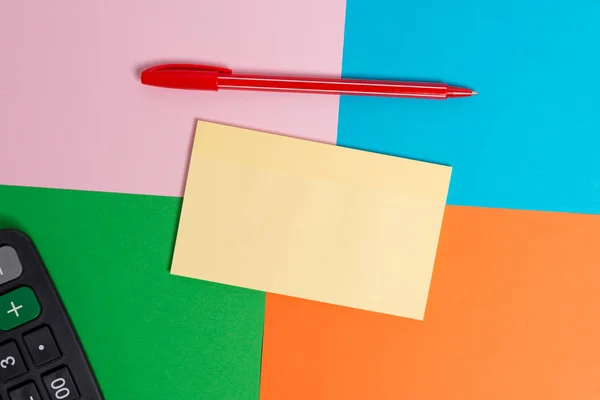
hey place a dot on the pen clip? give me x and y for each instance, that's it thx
(183, 76)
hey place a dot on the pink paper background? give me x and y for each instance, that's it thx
(74, 115)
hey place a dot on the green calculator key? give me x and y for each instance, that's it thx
(17, 307)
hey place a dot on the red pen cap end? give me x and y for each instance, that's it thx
(183, 76)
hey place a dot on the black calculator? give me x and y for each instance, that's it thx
(41, 357)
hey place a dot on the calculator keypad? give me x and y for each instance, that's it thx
(40, 354)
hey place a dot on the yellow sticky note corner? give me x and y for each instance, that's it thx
(310, 220)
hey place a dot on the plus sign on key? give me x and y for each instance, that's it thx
(18, 307)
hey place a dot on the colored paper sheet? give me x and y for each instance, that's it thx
(529, 140)
(72, 101)
(148, 334)
(310, 220)
(512, 314)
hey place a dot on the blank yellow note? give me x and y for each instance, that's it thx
(310, 220)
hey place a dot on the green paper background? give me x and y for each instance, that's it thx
(148, 335)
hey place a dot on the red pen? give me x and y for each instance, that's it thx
(204, 77)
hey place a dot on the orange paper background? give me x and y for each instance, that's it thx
(512, 314)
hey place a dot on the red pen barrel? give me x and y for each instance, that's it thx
(206, 77)
(336, 86)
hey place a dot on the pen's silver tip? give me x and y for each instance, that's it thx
(474, 93)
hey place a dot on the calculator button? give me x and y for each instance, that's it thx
(26, 392)
(42, 346)
(11, 362)
(17, 307)
(60, 385)
(10, 266)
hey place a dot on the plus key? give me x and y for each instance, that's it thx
(18, 307)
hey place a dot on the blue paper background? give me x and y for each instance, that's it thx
(529, 141)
